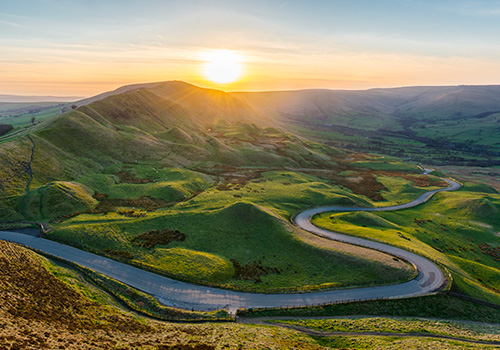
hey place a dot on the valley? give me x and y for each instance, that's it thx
(203, 187)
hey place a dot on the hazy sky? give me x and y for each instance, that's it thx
(84, 47)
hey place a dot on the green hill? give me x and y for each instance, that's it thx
(56, 199)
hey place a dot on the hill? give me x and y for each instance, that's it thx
(171, 157)
(51, 306)
(435, 125)
(149, 160)
(45, 305)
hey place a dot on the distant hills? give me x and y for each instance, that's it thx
(455, 125)
(425, 101)
(435, 125)
(29, 99)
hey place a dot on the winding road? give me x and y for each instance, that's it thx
(190, 296)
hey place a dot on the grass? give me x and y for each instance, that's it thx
(434, 306)
(388, 165)
(406, 325)
(170, 184)
(96, 321)
(402, 190)
(457, 229)
(396, 343)
(234, 222)
(46, 305)
(56, 199)
(192, 265)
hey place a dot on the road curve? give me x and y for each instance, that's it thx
(189, 296)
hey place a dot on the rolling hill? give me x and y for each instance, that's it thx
(177, 157)
(436, 125)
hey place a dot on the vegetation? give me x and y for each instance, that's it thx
(220, 230)
(5, 128)
(455, 331)
(44, 305)
(200, 185)
(457, 229)
(381, 333)
(434, 306)
(431, 125)
(407, 325)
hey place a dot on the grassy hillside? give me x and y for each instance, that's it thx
(240, 230)
(457, 229)
(455, 125)
(200, 185)
(388, 328)
(43, 305)
(172, 157)
(164, 158)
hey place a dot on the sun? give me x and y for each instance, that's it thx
(222, 66)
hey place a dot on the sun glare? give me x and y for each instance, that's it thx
(222, 66)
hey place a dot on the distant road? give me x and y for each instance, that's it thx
(189, 296)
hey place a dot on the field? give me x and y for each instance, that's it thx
(200, 185)
(47, 305)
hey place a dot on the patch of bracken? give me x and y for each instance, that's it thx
(489, 250)
(153, 238)
(420, 222)
(129, 178)
(252, 271)
(132, 213)
(118, 254)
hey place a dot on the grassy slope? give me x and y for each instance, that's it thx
(139, 133)
(43, 305)
(454, 329)
(457, 229)
(140, 128)
(246, 223)
(410, 325)
(76, 315)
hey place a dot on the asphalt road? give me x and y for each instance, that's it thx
(189, 296)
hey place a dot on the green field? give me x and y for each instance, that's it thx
(200, 185)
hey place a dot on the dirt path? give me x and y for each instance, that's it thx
(29, 170)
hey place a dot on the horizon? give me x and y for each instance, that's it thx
(84, 49)
(69, 98)
(77, 98)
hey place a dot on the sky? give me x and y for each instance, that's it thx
(85, 47)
